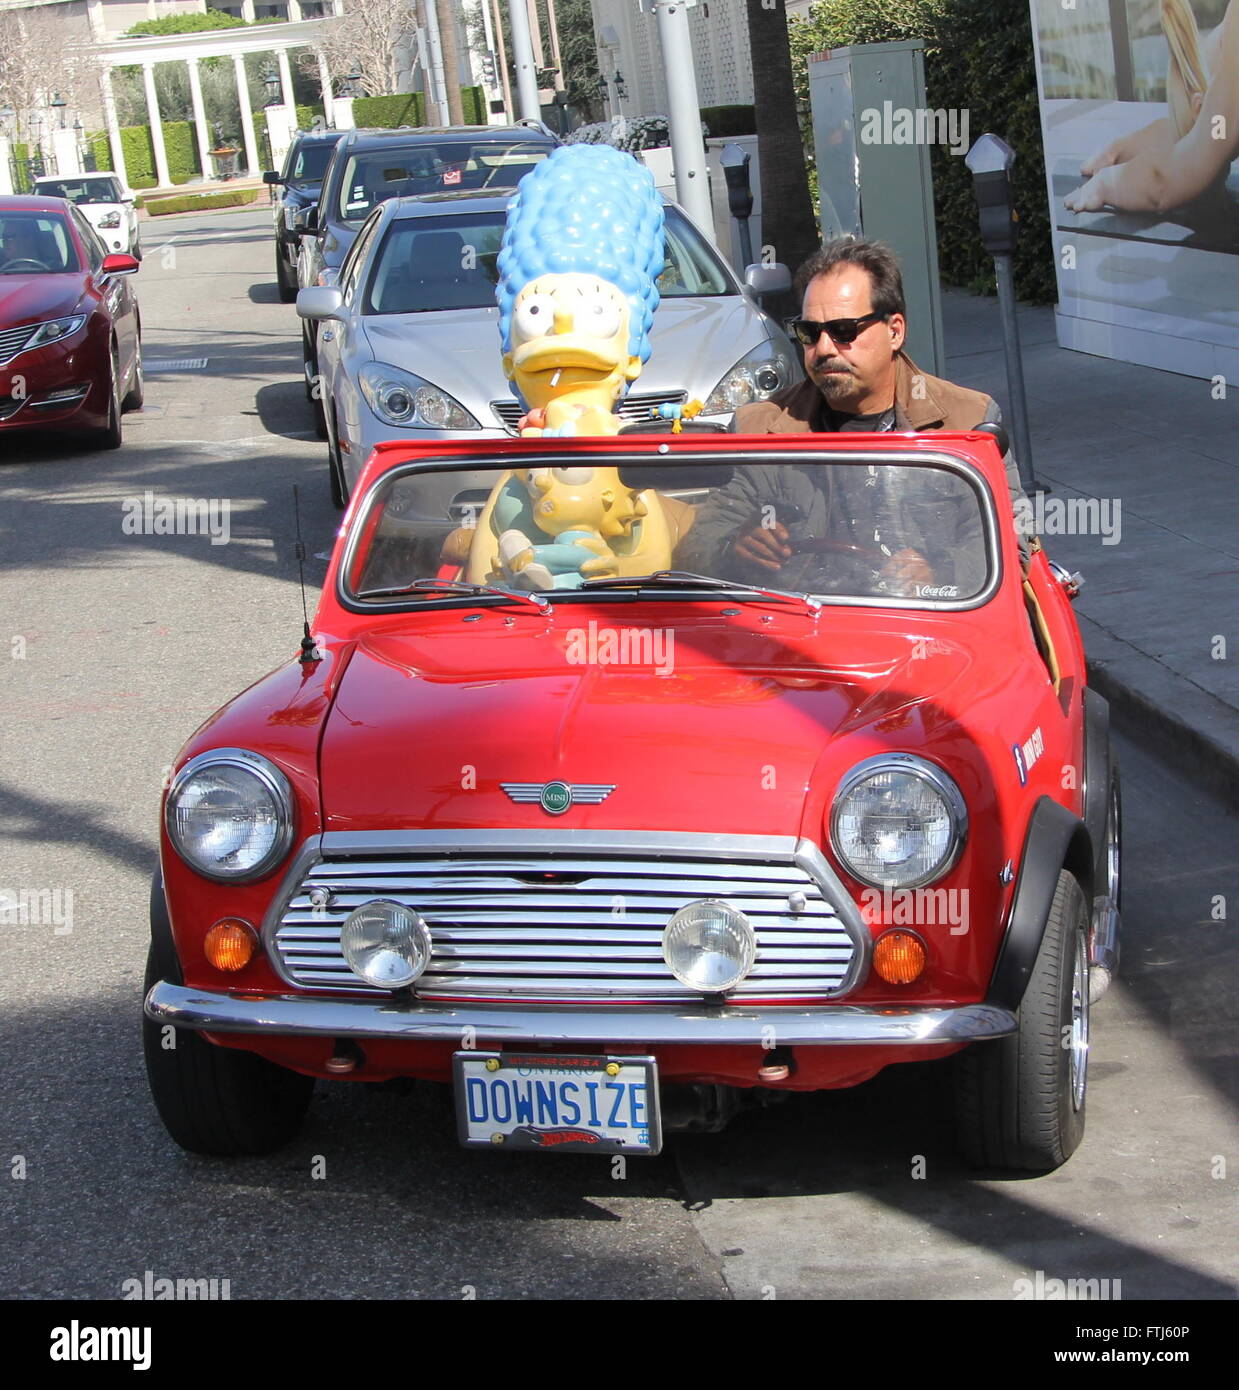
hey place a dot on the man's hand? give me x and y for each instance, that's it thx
(766, 546)
(907, 568)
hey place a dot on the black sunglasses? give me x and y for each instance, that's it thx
(808, 331)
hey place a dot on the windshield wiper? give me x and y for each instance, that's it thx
(455, 588)
(685, 579)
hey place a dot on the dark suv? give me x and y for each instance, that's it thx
(370, 166)
(301, 178)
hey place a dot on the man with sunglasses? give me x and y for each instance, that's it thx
(851, 329)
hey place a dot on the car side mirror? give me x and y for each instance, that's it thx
(320, 302)
(119, 264)
(272, 177)
(997, 432)
(767, 279)
(310, 224)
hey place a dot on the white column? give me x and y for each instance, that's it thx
(94, 13)
(64, 148)
(113, 125)
(324, 81)
(286, 83)
(247, 11)
(152, 114)
(200, 121)
(247, 116)
(6, 179)
(294, 11)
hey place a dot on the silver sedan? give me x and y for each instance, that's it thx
(409, 342)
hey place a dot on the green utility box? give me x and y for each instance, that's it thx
(872, 131)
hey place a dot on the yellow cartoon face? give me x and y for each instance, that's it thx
(570, 337)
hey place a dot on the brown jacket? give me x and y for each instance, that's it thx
(922, 402)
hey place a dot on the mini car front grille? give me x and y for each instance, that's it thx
(631, 408)
(13, 340)
(568, 928)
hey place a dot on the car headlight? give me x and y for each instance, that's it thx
(385, 943)
(768, 368)
(54, 330)
(709, 946)
(401, 398)
(110, 219)
(897, 821)
(229, 815)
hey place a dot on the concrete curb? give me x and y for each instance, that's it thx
(1175, 720)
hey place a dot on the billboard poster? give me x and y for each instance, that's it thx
(1140, 118)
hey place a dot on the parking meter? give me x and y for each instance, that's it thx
(990, 161)
(735, 161)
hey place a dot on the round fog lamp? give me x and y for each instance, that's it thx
(709, 946)
(386, 944)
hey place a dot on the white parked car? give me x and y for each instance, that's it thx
(105, 203)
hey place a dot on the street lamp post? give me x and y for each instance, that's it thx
(692, 189)
(522, 55)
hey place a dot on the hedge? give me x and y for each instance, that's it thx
(180, 145)
(199, 202)
(723, 121)
(409, 108)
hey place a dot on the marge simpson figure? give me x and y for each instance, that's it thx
(581, 250)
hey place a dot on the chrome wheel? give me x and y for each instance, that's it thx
(1078, 1040)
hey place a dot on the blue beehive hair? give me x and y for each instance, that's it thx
(590, 209)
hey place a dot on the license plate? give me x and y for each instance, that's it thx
(577, 1104)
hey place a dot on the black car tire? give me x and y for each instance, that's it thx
(111, 435)
(217, 1100)
(1020, 1101)
(286, 286)
(136, 253)
(136, 394)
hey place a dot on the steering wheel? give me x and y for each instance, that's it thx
(857, 570)
(25, 260)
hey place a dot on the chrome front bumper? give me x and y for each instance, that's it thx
(645, 1025)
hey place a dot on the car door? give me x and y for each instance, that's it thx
(339, 343)
(116, 295)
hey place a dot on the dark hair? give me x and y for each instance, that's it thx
(885, 281)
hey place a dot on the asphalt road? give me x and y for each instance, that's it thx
(128, 641)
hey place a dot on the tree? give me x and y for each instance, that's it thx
(365, 40)
(445, 11)
(788, 222)
(41, 57)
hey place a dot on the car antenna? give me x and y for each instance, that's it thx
(309, 652)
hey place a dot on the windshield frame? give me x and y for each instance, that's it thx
(359, 526)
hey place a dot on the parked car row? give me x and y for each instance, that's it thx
(397, 300)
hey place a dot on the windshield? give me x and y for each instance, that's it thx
(310, 162)
(31, 242)
(449, 262)
(835, 531)
(373, 176)
(82, 190)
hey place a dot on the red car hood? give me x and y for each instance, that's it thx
(431, 719)
(33, 298)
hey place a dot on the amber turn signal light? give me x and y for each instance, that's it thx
(230, 944)
(899, 957)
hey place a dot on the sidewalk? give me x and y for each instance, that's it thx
(1159, 610)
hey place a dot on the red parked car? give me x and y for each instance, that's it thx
(70, 333)
(616, 845)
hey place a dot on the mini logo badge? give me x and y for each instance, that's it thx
(555, 798)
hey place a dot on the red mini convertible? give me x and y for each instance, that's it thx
(568, 804)
(70, 335)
